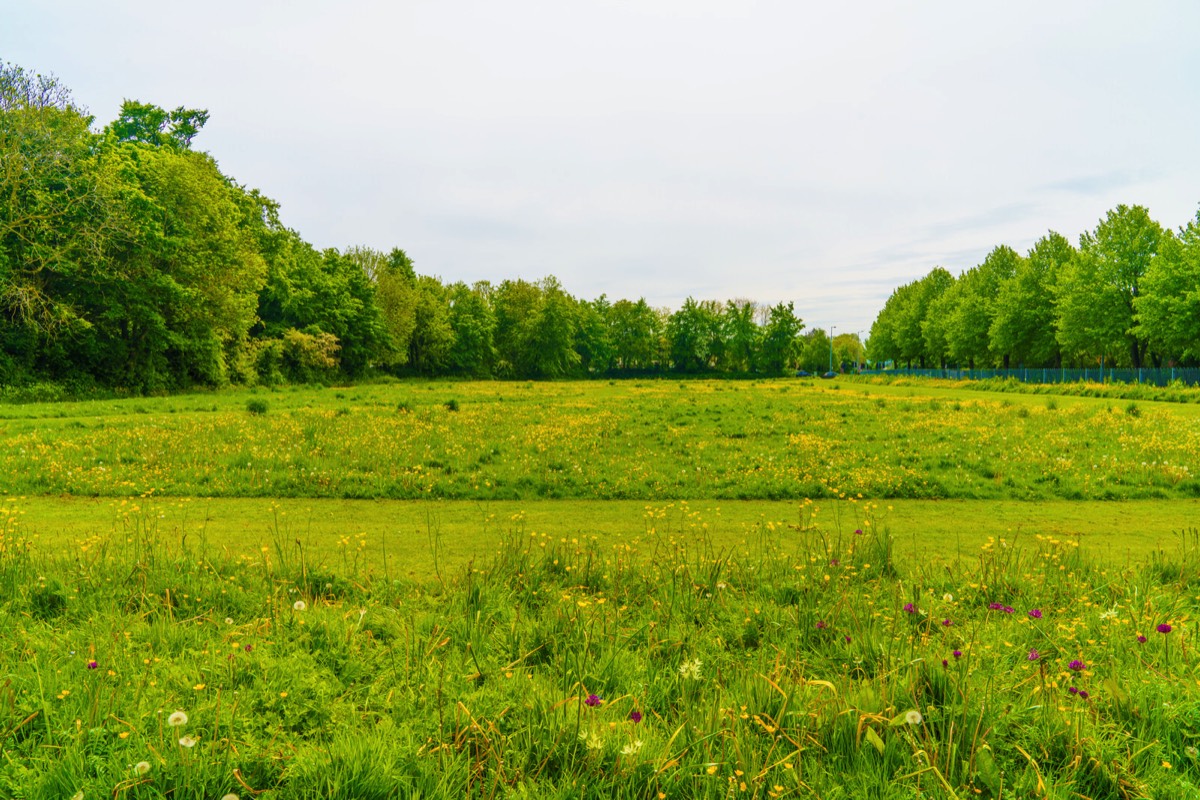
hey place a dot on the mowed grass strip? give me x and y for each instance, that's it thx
(419, 539)
(635, 440)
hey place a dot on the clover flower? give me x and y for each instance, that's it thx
(1163, 628)
(1076, 665)
(995, 606)
(910, 608)
(635, 716)
(1035, 613)
(92, 665)
(593, 700)
(957, 654)
(1034, 655)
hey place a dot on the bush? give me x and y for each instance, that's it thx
(256, 406)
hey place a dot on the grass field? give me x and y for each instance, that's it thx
(640, 590)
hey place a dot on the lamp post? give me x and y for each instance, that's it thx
(831, 328)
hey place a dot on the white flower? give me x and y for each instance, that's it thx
(230, 796)
(229, 620)
(691, 669)
(947, 597)
(142, 767)
(188, 741)
(913, 717)
(631, 748)
(299, 605)
(177, 719)
(591, 739)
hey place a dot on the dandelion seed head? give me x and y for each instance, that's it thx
(913, 717)
(177, 719)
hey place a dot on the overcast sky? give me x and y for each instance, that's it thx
(821, 153)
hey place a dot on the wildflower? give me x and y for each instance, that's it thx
(910, 608)
(593, 700)
(847, 638)
(1163, 628)
(229, 620)
(177, 719)
(995, 606)
(1035, 613)
(948, 598)
(945, 663)
(591, 739)
(913, 717)
(833, 562)
(1007, 609)
(1083, 694)
(1141, 639)
(947, 623)
(1073, 690)
(821, 625)
(230, 796)
(1034, 655)
(631, 748)
(248, 648)
(1076, 665)
(188, 741)
(635, 716)
(93, 664)
(1192, 752)
(858, 532)
(690, 669)
(957, 654)
(142, 767)
(300, 605)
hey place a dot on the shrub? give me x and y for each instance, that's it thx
(256, 406)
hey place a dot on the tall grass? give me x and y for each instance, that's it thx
(803, 664)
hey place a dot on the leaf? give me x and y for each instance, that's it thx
(875, 739)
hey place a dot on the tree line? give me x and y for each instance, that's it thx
(128, 259)
(1127, 296)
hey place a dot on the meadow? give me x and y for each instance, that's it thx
(648, 590)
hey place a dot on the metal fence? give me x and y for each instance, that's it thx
(1157, 377)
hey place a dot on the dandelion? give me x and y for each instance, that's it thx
(300, 605)
(1035, 613)
(142, 767)
(1076, 665)
(913, 717)
(593, 700)
(229, 620)
(631, 748)
(691, 669)
(1162, 628)
(188, 741)
(94, 665)
(635, 716)
(1034, 655)
(177, 719)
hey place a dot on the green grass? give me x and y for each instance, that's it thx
(652, 440)
(786, 667)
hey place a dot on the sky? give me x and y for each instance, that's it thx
(817, 153)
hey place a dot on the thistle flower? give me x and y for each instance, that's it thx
(1035, 613)
(858, 532)
(847, 639)
(947, 623)
(1163, 628)
(1141, 639)
(177, 719)
(995, 606)
(94, 665)
(1083, 694)
(1076, 665)
(1007, 609)
(593, 700)
(957, 654)
(635, 716)
(821, 625)
(1073, 690)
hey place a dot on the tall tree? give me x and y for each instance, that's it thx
(780, 346)
(1025, 308)
(1168, 305)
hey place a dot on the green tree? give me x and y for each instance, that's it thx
(635, 330)
(974, 309)
(474, 325)
(780, 345)
(1168, 304)
(1026, 309)
(741, 334)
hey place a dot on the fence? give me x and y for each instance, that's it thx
(1155, 376)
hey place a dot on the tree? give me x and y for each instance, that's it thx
(1168, 304)
(474, 325)
(148, 124)
(634, 330)
(913, 308)
(780, 346)
(815, 353)
(742, 335)
(431, 345)
(1025, 308)
(396, 293)
(690, 334)
(975, 307)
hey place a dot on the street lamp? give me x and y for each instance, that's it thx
(831, 328)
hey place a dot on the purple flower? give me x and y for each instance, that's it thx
(858, 532)
(248, 648)
(821, 625)
(1076, 665)
(1034, 655)
(92, 665)
(1073, 690)
(1035, 613)
(1007, 609)
(1083, 693)
(635, 716)
(995, 606)
(1141, 639)
(833, 562)
(957, 654)
(593, 700)
(1163, 627)
(947, 623)
(945, 663)
(910, 608)
(847, 638)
